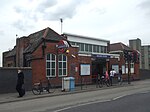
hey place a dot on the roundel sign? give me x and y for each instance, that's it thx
(62, 46)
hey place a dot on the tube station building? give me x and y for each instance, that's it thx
(55, 56)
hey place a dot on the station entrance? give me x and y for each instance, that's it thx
(99, 66)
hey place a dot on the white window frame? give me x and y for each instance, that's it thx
(62, 68)
(50, 69)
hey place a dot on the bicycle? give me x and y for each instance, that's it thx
(103, 81)
(40, 87)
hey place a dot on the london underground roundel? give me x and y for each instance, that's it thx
(62, 46)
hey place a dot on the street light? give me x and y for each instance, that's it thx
(61, 20)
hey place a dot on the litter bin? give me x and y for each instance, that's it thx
(72, 84)
(69, 84)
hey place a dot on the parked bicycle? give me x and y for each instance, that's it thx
(101, 81)
(40, 87)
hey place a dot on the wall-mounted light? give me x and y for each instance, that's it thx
(73, 56)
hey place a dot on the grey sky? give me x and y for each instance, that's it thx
(114, 20)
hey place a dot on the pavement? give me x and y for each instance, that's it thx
(13, 97)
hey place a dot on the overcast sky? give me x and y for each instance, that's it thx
(114, 20)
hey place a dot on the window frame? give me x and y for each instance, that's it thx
(50, 68)
(62, 65)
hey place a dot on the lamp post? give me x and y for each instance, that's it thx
(61, 20)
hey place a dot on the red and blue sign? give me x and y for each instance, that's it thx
(62, 46)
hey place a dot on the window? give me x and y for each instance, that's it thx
(72, 43)
(82, 47)
(97, 48)
(105, 49)
(90, 48)
(102, 49)
(62, 65)
(132, 67)
(86, 48)
(94, 48)
(51, 65)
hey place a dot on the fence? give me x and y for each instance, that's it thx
(144, 74)
(8, 79)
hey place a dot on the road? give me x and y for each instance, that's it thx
(88, 100)
(131, 103)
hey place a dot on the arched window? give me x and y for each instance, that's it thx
(51, 65)
(62, 65)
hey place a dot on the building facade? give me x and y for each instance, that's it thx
(55, 56)
(96, 49)
(135, 44)
(130, 68)
(145, 56)
(144, 52)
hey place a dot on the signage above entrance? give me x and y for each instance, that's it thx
(101, 56)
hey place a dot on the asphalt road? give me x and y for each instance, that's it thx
(132, 103)
(120, 99)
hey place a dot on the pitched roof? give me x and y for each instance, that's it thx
(37, 38)
(11, 52)
(119, 46)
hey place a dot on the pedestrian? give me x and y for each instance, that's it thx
(112, 74)
(20, 82)
(107, 78)
(120, 76)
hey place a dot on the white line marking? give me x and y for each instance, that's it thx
(81, 104)
(118, 97)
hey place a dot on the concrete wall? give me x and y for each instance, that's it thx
(144, 74)
(8, 79)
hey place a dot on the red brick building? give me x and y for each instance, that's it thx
(118, 48)
(53, 56)
(41, 52)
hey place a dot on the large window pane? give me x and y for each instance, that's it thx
(53, 57)
(94, 48)
(60, 72)
(90, 48)
(82, 47)
(48, 57)
(53, 65)
(64, 58)
(48, 72)
(97, 48)
(53, 72)
(64, 72)
(86, 47)
(62, 65)
(50, 65)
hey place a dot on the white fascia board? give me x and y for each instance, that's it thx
(87, 40)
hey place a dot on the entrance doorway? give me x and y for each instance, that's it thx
(98, 67)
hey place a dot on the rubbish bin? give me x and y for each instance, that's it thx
(72, 84)
(69, 84)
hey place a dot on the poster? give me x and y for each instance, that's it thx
(85, 69)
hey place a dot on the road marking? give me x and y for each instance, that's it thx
(81, 104)
(118, 97)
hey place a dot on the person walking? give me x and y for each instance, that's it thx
(120, 76)
(107, 78)
(20, 82)
(112, 74)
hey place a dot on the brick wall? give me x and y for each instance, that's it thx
(73, 63)
(134, 76)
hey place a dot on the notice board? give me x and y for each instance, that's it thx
(85, 69)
